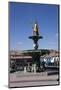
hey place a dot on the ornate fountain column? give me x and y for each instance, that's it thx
(35, 54)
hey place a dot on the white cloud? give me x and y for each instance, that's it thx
(57, 34)
(51, 43)
(19, 43)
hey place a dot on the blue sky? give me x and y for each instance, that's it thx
(21, 19)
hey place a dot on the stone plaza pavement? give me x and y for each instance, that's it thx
(18, 79)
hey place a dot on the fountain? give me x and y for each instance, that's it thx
(35, 53)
